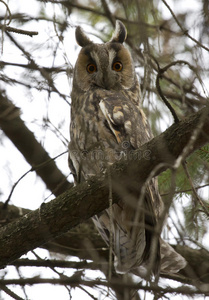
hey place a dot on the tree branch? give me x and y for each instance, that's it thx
(31, 149)
(55, 264)
(184, 31)
(113, 284)
(89, 198)
(17, 30)
(84, 241)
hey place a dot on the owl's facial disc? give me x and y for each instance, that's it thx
(107, 66)
(101, 69)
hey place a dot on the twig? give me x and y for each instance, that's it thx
(31, 170)
(42, 71)
(185, 31)
(111, 224)
(14, 186)
(108, 13)
(160, 223)
(190, 144)
(20, 31)
(53, 269)
(10, 293)
(158, 87)
(88, 293)
(173, 167)
(5, 27)
(146, 78)
(159, 76)
(55, 263)
(194, 190)
(158, 229)
(172, 110)
(104, 14)
(31, 66)
(10, 15)
(191, 68)
(22, 287)
(188, 190)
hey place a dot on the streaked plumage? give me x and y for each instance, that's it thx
(107, 121)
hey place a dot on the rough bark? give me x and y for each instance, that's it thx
(78, 240)
(87, 199)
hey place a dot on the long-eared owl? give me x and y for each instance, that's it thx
(107, 121)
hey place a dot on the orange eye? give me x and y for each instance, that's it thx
(117, 66)
(91, 68)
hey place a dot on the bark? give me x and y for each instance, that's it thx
(87, 199)
(77, 242)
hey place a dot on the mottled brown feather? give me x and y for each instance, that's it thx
(107, 121)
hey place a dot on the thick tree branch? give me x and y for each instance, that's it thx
(51, 219)
(84, 241)
(87, 199)
(31, 149)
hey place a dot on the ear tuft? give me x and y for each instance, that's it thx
(81, 37)
(120, 33)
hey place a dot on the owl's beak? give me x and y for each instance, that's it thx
(105, 81)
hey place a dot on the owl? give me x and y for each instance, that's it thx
(108, 123)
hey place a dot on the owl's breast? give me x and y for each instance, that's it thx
(91, 143)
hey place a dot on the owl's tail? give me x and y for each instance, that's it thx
(135, 254)
(127, 259)
(170, 261)
(126, 255)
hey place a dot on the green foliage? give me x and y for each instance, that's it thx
(195, 218)
(197, 166)
(203, 153)
(196, 223)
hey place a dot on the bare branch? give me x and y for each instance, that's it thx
(55, 264)
(7, 7)
(18, 133)
(9, 292)
(113, 284)
(184, 31)
(17, 30)
(194, 190)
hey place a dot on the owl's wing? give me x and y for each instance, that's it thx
(126, 120)
(132, 241)
(72, 168)
(135, 243)
(113, 113)
(128, 123)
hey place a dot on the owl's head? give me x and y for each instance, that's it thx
(107, 66)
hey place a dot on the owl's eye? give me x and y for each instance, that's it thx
(117, 66)
(91, 68)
